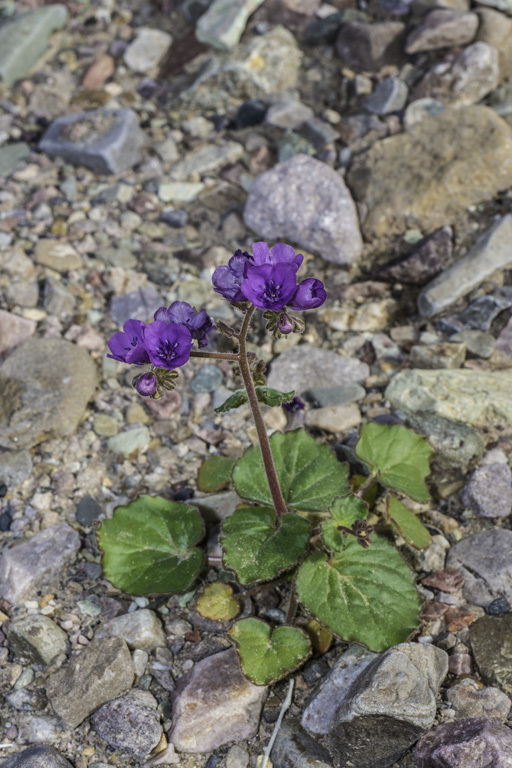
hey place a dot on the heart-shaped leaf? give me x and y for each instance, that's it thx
(265, 395)
(344, 511)
(363, 595)
(309, 475)
(259, 547)
(399, 456)
(407, 524)
(216, 602)
(148, 546)
(267, 657)
(215, 474)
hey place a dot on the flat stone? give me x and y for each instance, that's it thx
(419, 109)
(24, 39)
(496, 29)
(468, 699)
(489, 254)
(426, 260)
(146, 51)
(308, 367)
(288, 114)
(57, 299)
(37, 756)
(485, 561)
(380, 178)
(388, 706)
(294, 748)
(51, 401)
(491, 643)
(369, 47)
(141, 629)
(207, 159)
(15, 467)
(390, 95)
(139, 305)
(477, 398)
(215, 704)
(342, 394)
(445, 354)
(130, 441)
(489, 491)
(38, 562)
(130, 723)
(179, 192)
(12, 155)
(105, 425)
(478, 343)
(223, 23)
(334, 418)
(37, 638)
(442, 29)
(101, 672)
(57, 255)
(104, 140)
(471, 743)
(88, 511)
(14, 330)
(304, 201)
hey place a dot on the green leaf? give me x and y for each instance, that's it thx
(265, 395)
(267, 657)
(257, 547)
(407, 524)
(344, 511)
(215, 474)
(399, 456)
(363, 595)
(309, 475)
(216, 602)
(148, 546)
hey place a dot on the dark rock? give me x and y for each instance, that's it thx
(87, 511)
(481, 313)
(130, 723)
(324, 30)
(176, 218)
(472, 743)
(37, 756)
(294, 748)
(491, 643)
(369, 47)
(498, 606)
(426, 260)
(251, 112)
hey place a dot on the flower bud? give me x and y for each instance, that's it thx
(145, 384)
(285, 323)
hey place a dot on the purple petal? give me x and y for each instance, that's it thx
(168, 345)
(127, 345)
(227, 284)
(270, 286)
(146, 384)
(180, 312)
(310, 294)
(284, 323)
(285, 254)
(260, 253)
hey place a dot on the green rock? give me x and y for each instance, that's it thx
(12, 155)
(491, 642)
(37, 638)
(105, 426)
(131, 441)
(183, 192)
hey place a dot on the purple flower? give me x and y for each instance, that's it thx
(198, 323)
(310, 294)
(280, 254)
(228, 279)
(285, 323)
(168, 344)
(145, 384)
(127, 345)
(294, 405)
(270, 286)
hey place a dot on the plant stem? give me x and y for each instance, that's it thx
(216, 355)
(368, 483)
(268, 461)
(292, 606)
(261, 588)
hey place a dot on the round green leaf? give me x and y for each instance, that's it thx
(267, 657)
(216, 602)
(309, 475)
(148, 546)
(215, 474)
(344, 511)
(407, 524)
(399, 456)
(257, 547)
(363, 595)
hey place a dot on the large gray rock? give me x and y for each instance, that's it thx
(485, 561)
(37, 637)
(37, 756)
(214, 705)
(24, 39)
(472, 743)
(304, 201)
(387, 707)
(489, 491)
(140, 629)
(490, 253)
(305, 367)
(37, 563)
(130, 723)
(104, 140)
(491, 643)
(46, 385)
(101, 672)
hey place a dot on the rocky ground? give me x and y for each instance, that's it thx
(140, 145)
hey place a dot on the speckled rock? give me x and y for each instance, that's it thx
(130, 723)
(442, 29)
(485, 561)
(472, 743)
(37, 638)
(458, 447)
(308, 367)
(491, 643)
(467, 699)
(140, 629)
(304, 201)
(38, 562)
(489, 491)
(37, 756)
(369, 47)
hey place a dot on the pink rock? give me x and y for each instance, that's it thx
(14, 330)
(99, 72)
(470, 743)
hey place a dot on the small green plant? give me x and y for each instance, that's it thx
(301, 518)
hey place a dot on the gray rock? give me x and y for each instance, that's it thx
(215, 704)
(426, 260)
(478, 343)
(480, 314)
(490, 638)
(292, 144)
(12, 155)
(15, 467)
(46, 385)
(101, 672)
(388, 707)
(207, 159)
(117, 256)
(24, 39)
(390, 95)
(26, 294)
(419, 109)
(146, 51)
(139, 305)
(325, 699)
(475, 742)
(208, 379)
(496, 29)
(37, 638)
(224, 22)
(130, 723)
(14, 329)
(478, 398)
(38, 562)
(288, 114)
(442, 29)
(57, 299)
(319, 132)
(141, 629)
(307, 367)
(500, 5)
(342, 394)
(305, 201)
(37, 756)
(445, 354)
(369, 47)
(57, 255)
(130, 441)
(458, 447)
(294, 748)
(334, 418)
(106, 141)
(489, 492)
(468, 699)
(88, 511)
(485, 561)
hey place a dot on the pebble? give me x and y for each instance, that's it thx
(141, 630)
(485, 561)
(445, 354)
(495, 29)
(176, 218)
(477, 343)
(37, 756)
(489, 491)
(57, 255)
(468, 699)
(426, 260)
(88, 511)
(139, 305)
(99, 72)
(490, 640)
(37, 638)
(105, 425)
(288, 114)
(309, 367)
(305, 201)
(57, 300)
(342, 394)
(369, 47)
(418, 109)
(208, 379)
(207, 159)
(334, 418)
(102, 671)
(38, 562)
(179, 192)
(469, 742)
(15, 467)
(479, 315)
(12, 156)
(130, 723)
(129, 442)
(442, 29)
(147, 50)
(224, 22)
(14, 330)
(389, 96)
(215, 705)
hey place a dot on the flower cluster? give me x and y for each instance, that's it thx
(165, 344)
